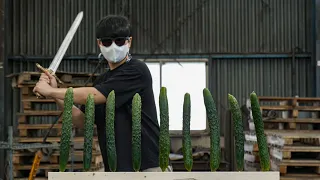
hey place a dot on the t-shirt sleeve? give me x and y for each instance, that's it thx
(125, 84)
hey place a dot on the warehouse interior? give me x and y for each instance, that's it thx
(233, 47)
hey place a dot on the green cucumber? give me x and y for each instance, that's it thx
(136, 132)
(259, 128)
(164, 139)
(66, 130)
(110, 134)
(88, 132)
(214, 126)
(186, 140)
(238, 131)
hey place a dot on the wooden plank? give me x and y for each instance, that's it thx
(39, 113)
(293, 120)
(164, 176)
(276, 98)
(282, 107)
(49, 166)
(307, 99)
(289, 108)
(301, 148)
(55, 153)
(40, 126)
(295, 133)
(273, 98)
(301, 162)
(35, 99)
(49, 139)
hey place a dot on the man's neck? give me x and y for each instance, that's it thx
(113, 66)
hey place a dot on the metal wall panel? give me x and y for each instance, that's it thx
(166, 27)
(267, 77)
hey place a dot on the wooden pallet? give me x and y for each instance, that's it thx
(77, 141)
(288, 152)
(305, 176)
(289, 123)
(26, 129)
(77, 156)
(291, 136)
(313, 165)
(30, 78)
(293, 106)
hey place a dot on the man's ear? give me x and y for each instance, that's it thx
(99, 43)
(130, 40)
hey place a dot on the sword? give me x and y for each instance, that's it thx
(62, 50)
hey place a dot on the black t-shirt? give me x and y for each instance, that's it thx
(126, 80)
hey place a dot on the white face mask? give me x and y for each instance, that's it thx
(114, 53)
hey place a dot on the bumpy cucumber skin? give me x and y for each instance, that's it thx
(214, 126)
(186, 140)
(110, 134)
(88, 132)
(136, 132)
(259, 128)
(66, 130)
(164, 139)
(238, 131)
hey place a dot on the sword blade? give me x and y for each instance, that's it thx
(65, 44)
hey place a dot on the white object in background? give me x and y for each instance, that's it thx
(178, 80)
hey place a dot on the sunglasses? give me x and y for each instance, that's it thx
(119, 41)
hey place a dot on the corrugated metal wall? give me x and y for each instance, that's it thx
(163, 27)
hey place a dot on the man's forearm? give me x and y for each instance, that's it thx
(79, 94)
(60, 103)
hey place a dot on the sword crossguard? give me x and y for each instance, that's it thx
(44, 70)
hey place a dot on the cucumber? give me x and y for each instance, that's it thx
(238, 131)
(186, 140)
(136, 132)
(164, 139)
(214, 126)
(259, 128)
(66, 130)
(88, 132)
(110, 137)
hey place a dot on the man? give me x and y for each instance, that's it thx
(126, 77)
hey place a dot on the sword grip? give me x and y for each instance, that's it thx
(39, 96)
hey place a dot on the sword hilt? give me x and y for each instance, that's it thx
(49, 71)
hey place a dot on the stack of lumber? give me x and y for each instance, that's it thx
(36, 117)
(286, 121)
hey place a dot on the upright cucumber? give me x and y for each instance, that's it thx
(66, 130)
(238, 131)
(164, 139)
(259, 128)
(136, 132)
(214, 126)
(186, 140)
(88, 132)
(110, 137)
